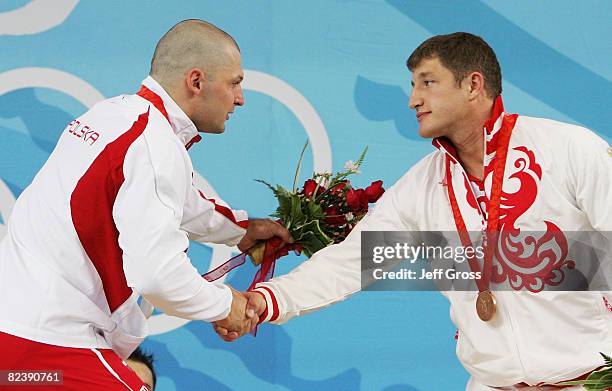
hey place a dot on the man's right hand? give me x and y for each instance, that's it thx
(256, 305)
(240, 320)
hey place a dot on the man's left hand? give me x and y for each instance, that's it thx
(263, 229)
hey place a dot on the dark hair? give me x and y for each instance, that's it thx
(139, 355)
(461, 53)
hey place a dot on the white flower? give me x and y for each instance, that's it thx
(349, 216)
(323, 179)
(351, 166)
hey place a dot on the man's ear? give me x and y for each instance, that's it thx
(195, 79)
(476, 84)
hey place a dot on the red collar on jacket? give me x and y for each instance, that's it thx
(183, 127)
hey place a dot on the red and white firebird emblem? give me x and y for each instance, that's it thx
(528, 260)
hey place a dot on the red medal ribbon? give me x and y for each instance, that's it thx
(501, 154)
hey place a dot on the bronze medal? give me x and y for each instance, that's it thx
(485, 305)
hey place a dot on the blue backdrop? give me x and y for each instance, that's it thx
(333, 72)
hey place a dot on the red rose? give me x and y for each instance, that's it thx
(309, 187)
(352, 200)
(334, 217)
(357, 200)
(339, 187)
(363, 199)
(374, 191)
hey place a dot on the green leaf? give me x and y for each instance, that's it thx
(284, 204)
(267, 184)
(597, 381)
(299, 167)
(311, 244)
(607, 359)
(361, 157)
(315, 212)
(314, 227)
(296, 209)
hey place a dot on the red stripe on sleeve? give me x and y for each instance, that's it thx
(227, 212)
(264, 315)
(275, 311)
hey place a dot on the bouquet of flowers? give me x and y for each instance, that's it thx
(322, 212)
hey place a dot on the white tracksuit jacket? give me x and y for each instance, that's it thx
(556, 175)
(108, 217)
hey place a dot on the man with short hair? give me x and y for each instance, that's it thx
(109, 216)
(496, 172)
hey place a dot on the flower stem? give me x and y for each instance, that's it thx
(299, 167)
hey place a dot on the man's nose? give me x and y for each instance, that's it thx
(239, 98)
(415, 99)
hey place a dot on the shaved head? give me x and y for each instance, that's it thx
(191, 44)
(199, 66)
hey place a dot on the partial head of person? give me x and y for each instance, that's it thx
(198, 64)
(142, 364)
(455, 80)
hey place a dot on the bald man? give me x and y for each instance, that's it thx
(109, 216)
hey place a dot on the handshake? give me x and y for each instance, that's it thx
(244, 315)
(247, 307)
